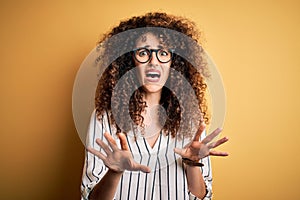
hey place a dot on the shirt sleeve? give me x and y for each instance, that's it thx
(93, 169)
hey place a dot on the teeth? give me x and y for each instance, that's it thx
(152, 74)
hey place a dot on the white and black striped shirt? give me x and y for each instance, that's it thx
(167, 179)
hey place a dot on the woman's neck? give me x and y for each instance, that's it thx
(152, 99)
(151, 117)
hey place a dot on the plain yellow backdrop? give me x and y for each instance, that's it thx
(255, 45)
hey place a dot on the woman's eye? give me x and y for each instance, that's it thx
(143, 53)
(163, 53)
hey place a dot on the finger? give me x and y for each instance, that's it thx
(104, 146)
(179, 151)
(112, 143)
(199, 132)
(217, 143)
(218, 153)
(143, 168)
(96, 153)
(123, 141)
(211, 136)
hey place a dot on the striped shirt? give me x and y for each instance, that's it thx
(167, 179)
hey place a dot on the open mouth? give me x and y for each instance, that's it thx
(152, 75)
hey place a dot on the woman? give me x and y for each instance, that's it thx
(153, 152)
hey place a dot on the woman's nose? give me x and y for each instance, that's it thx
(153, 59)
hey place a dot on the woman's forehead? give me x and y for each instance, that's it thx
(150, 39)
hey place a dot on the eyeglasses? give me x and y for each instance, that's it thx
(143, 55)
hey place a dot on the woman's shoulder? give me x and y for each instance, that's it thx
(100, 115)
(103, 120)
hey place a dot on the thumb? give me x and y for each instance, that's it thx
(142, 168)
(178, 151)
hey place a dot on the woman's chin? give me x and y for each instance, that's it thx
(152, 88)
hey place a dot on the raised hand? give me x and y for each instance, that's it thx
(197, 150)
(117, 159)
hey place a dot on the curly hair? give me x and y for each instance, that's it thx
(180, 115)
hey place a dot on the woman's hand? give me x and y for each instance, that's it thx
(197, 150)
(117, 159)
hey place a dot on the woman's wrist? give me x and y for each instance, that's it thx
(192, 162)
(114, 172)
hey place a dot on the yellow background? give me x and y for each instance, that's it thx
(255, 45)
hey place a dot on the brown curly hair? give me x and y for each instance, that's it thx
(180, 115)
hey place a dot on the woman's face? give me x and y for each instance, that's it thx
(152, 74)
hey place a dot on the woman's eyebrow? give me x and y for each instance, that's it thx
(147, 46)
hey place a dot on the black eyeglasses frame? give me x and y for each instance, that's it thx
(151, 52)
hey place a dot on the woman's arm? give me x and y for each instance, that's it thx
(196, 150)
(101, 176)
(106, 188)
(195, 181)
(117, 161)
